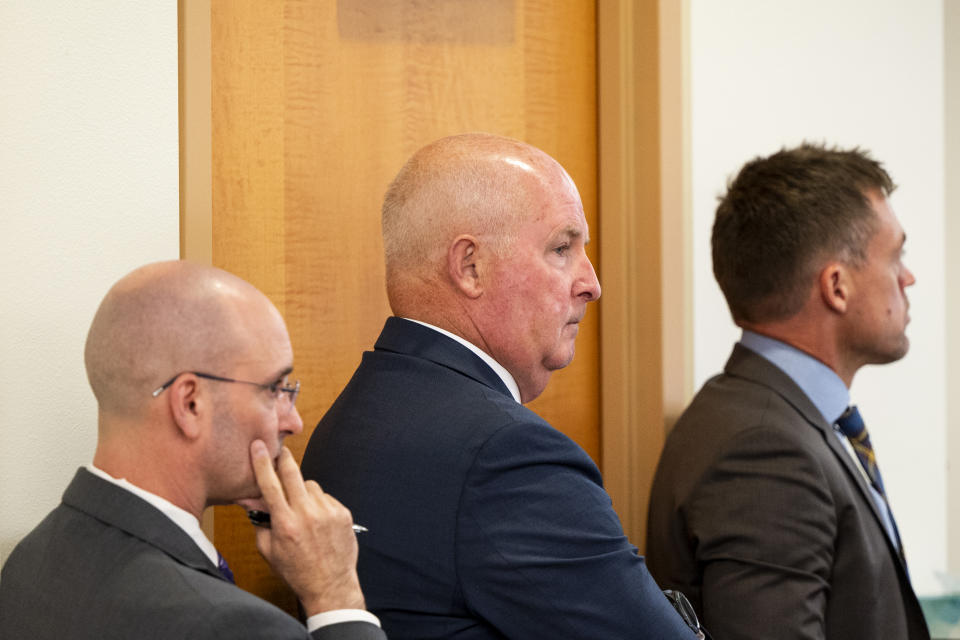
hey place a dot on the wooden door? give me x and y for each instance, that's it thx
(315, 106)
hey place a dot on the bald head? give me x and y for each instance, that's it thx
(474, 183)
(485, 238)
(160, 320)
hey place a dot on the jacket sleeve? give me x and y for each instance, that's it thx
(764, 523)
(541, 552)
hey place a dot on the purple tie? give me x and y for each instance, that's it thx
(224, 568)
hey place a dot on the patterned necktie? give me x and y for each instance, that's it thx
(851, 424)
(224, 568)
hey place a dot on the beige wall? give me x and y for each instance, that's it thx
(952, 241)
(88, 185)
(766, 74)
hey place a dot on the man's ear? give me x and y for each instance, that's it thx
(189, 405)
(463, 265)
(835, 286)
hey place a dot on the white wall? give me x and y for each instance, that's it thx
(767, 74)
(88, 191)
(951, 239)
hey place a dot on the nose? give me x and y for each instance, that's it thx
(291, 422)
(587, 285)
(907, 278)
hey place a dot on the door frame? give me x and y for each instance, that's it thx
(643, 236)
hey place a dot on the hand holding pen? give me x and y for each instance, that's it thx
(310, 541)
(262, 519)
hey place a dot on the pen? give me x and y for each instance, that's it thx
(262, 519)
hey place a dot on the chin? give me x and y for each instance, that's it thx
(562, 359)
(894, 353)
(904, 349)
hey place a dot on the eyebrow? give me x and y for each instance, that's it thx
(283, 373)
(574, 232)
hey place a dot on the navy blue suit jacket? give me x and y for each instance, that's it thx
(106, 564)
(485, 521)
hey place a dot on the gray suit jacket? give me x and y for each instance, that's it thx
(760, 516)
(105, 564)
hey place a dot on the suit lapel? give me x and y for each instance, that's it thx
(409, 338)
(744, 363)
(123, 510)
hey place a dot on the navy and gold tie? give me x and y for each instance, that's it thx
(852, 426)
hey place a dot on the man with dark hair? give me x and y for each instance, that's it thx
(190, 366)
(768, 508)
(485, 521)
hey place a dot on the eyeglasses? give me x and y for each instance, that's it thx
(280, 390)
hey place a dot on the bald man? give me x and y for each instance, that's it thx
(485, 521)
(190, 366)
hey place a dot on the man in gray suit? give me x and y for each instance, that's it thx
(767, 508)
(190, 366)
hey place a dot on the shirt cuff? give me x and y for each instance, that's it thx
(337, 616)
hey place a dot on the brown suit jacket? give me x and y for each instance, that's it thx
(759, 515)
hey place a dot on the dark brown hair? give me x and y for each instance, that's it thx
(785, 215)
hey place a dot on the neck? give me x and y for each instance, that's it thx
(447, 313)
(153, 466)
(813, 336)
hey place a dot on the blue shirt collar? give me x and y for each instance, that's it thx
(818, 381)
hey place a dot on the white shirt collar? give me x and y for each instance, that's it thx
(483, 355)
(182, 518)
(186, 521)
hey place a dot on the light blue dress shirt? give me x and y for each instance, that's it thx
(825, 389)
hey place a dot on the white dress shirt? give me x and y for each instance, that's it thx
(191, 526)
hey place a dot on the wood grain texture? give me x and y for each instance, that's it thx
(631, 192)
(249, 225)
(315, 107)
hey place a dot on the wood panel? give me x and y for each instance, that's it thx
(643, 225)
(316, 105)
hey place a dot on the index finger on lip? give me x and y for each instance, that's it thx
(267, 479)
